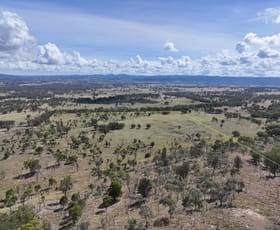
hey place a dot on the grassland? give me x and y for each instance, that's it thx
(71, 131)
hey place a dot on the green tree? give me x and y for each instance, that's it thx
(63, 201)
(237, 163)
(167, 201)
(218, 193)
(235, 134)
(146, 213)
(115, 189)
(272, 160)
(183, 170)
(59, 156)
(72, 159)
(131, 224)
(10, 198)
(66, 184)
(255, 157)
(33, 165)
(213, 160)
(27, 193)
(145, 187)
(193, 197)
(15, 219)
(32, 225)
(46, 225)
(37, 188)
(205, 184)
(91, 187)
(38, 150)
(196, 151)
(246, 140)
(52, 182)
(75, 197)
(75, 212)
(107, 201)
(223, 191)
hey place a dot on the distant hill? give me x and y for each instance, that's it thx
(163, 79)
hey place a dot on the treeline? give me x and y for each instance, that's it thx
(105, 128)
(129, 98)
(6, 124)
(182, 108)
(40, 119)
(273, 130)
(216, 99)
(192, 96)
(271, 112)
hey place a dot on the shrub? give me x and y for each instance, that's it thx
(161, 222)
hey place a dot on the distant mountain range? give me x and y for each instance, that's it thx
(163, 79)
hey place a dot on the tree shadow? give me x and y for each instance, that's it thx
(136, 204)
(55, 166)
(53, 204)
(270, 177)
(24, 176)
(58, 209)
(101, 206)
(65, 225)
(100, 212)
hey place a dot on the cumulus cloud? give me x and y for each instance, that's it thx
(14, 33)
(169, 46)
(241, 47)
(184, 61)
(50, 54)
(139, 60)
(252, 55)
(19, 50)
(268, 53)
(270, 15)
(254, 39)
(78, 60)
(245, 60)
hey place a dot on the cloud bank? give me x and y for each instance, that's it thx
(253, 55)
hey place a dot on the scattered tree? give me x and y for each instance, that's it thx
(115, 189)
(144, 187)
(66, 184)
(33, 165)
(272, 160)
(146, 213)
(193, 197)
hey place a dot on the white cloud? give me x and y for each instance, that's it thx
(50, 54)
(14, 33)
(268, 53)
(78, 60)
(169, 46)
(269, 15)
(245, 60)
(253, 55)
(184, 61)
(254, 39)
(139, 60)
(241, 47)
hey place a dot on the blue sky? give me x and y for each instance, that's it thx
(116, 36)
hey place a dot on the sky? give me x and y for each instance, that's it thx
(145, 37)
